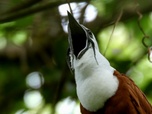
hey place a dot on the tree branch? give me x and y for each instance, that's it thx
(32, 10)
(21, 6)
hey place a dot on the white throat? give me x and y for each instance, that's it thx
(94, 80)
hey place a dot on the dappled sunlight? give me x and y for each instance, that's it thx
(89, 15)
(35, 103)
(67, 106)
(119, 38)
(122, 44)
(35, 80)
(90, 12)
(19, 38)
(32, 99)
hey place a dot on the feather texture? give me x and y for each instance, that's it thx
(129, 99)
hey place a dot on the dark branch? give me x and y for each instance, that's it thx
(26, 12)
(21, 6)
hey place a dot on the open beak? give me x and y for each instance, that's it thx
(80, 40)
(77, 37)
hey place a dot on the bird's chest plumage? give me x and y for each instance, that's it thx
(93, 91)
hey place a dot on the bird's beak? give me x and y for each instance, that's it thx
(77, 37)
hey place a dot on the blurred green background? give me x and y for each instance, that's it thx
(34, 77)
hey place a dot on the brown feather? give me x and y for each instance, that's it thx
(129, 99)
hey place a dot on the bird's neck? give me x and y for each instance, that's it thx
(94, 79)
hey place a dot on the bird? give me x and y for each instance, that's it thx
(101, 89)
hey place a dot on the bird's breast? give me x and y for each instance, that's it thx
(94, 90)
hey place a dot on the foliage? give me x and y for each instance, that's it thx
(32, 40)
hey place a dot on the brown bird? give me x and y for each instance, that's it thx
(100, 88)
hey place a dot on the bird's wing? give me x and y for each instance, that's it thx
(129, 99)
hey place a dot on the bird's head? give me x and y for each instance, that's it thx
(80, 40)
